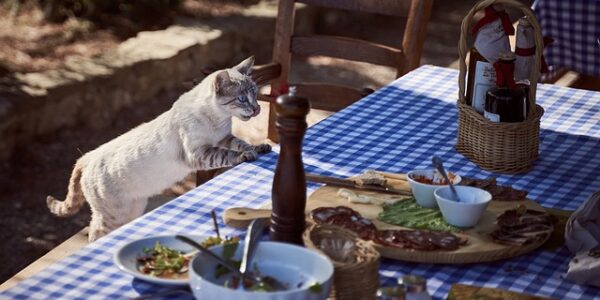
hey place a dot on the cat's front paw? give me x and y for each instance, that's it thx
(247, 156)
(262, 148)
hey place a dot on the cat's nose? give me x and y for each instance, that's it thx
(256, 111)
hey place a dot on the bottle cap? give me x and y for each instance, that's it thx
(413, 283)
(292, 90)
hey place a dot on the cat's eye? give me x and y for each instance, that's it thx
(242, 98)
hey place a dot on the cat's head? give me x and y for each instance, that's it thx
(236, 91)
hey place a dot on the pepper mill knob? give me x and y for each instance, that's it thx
(289, 181)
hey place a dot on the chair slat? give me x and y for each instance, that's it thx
(347, 48)
(264, 73)
(396, 8)
(330, 97)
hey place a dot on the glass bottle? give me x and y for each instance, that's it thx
(391, 293)
(491, 39)
(507, 101)
(416, 287)
(480, 78)
(524, 50)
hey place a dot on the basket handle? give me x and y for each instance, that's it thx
(463, 49)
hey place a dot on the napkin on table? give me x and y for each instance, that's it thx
(582, 237)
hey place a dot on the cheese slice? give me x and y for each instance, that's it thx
(366, 199)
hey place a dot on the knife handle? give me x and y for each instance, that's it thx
(330, 180)
(241, 217)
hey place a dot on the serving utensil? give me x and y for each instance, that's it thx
(334, 181)
(257, 280)
(208, 252)
(251, 241)
(213, 214)
(439, 165)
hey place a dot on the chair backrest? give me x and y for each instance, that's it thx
(334, 97)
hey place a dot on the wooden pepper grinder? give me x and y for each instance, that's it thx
(289, 181)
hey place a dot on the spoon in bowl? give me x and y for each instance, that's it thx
(208, 252)
(253, 236)
(251, 240)
(439, 165)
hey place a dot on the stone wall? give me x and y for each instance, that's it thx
(89, 91)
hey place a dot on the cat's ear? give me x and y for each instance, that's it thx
(222, 82)
(245, 67)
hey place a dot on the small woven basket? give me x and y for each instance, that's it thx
(499, 147)
(356, 272)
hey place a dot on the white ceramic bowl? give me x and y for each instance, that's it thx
(466, 213)
(295, 266)
(126, 257)
(423, 192)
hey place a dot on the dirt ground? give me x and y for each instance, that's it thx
(43, 167)
(29, 43)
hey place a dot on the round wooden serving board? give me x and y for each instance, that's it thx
(479, 248)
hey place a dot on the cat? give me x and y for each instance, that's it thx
(195, 134)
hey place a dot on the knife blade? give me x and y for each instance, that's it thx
(334, 181)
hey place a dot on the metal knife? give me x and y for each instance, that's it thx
(334, 181)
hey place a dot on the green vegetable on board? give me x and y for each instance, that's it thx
(407, 213)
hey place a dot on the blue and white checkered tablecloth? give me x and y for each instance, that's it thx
(396, 129)
(575, 27)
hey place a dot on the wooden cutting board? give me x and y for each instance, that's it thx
(480, 247)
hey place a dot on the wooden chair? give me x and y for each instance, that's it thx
(334, 97)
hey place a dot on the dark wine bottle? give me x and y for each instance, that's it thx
(507, 101)
(480, 78)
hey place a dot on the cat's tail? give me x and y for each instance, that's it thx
(75, 197)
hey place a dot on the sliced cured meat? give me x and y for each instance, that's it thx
(508, 238)
(321, 214)
(520, 217)
(499, 192)
(364, 228)
(522, 226)
(347, 218)
(445, 240)
(392, 238)
(423, 240)
(480, 183)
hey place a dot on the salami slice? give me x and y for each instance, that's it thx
(347, 218)
(423, 240)
(445, 240)
(364, 228)
(321, 214)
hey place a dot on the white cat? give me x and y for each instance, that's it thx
(195, 134)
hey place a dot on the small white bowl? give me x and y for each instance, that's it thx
(295, 266)
(423, 192)
(126, 257)
(466, 213)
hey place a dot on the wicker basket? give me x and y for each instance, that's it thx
(499, 147)
(355, 278)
